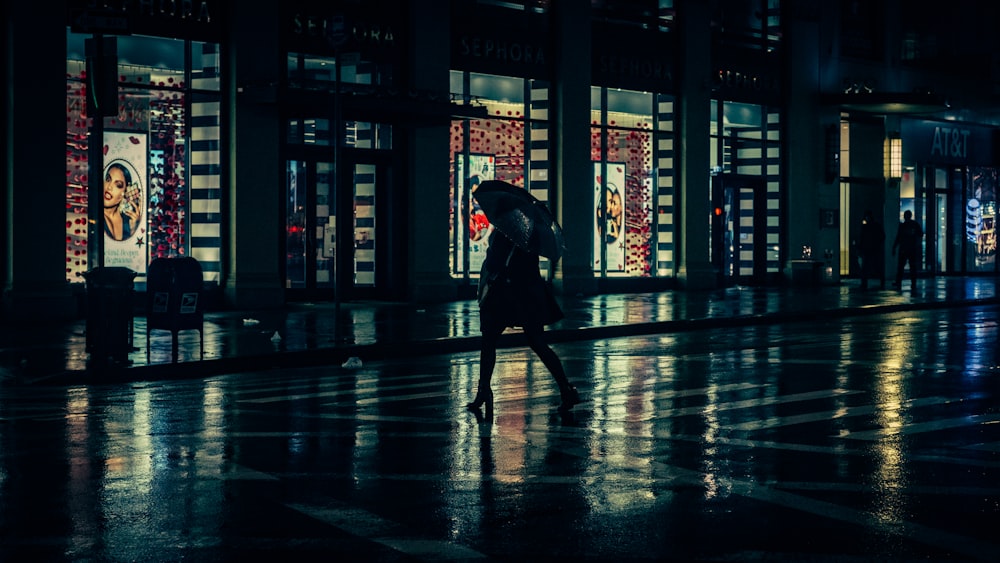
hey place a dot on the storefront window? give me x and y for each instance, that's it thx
(311, 72)
(162, 147)
(754, 24)
(317, 72)
(492, 148)
(980, 219)
(628, 188)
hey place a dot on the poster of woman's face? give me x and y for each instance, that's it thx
(125, 200)
(610, 214)
(122, 194)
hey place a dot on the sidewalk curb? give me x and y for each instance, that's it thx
(335, 355)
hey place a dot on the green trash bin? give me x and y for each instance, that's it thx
(110, 315)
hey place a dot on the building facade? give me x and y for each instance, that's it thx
(306, 150)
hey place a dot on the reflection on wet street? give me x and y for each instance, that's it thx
(866, 438)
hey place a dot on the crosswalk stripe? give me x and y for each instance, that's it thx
(989, 447)
(847, 412)
(912, 531)
(921, 427)
(760, 402)
(372, 527)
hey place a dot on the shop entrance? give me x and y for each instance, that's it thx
(739, 229)
(337, 232)
(310, 220)
(364, 267)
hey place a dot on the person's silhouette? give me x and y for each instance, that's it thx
(871, 247)
(908, 238)
(513, 294)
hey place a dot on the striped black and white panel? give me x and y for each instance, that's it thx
(772, 175)
(205, 186)
(747, 157)
(664, 230)
(364, 225)
(537, 141)
(757, 153)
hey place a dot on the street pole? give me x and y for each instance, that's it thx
(95, 158)
(102, 100)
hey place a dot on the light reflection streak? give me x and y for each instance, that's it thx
(889, 396)
(516, 375)
(981, 334)
(80, 505)
(130, 463)
(498, 451)
(621, 431)
(471, 455)
(211, 453)
(710, 465)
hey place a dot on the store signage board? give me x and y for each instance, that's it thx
(336, 31)
(97, 22)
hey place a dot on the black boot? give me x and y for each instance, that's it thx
(570, 398)
(483, 397)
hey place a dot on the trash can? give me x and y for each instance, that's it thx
(110, 302)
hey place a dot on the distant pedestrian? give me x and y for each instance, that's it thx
(512, 293)
(871, 247)
(908, 239)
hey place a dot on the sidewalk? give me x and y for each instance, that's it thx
(320, 334)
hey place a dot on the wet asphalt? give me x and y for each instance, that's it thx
(872, 436)
(817, 423)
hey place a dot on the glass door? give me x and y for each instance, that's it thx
(364, 267)
(364, 181)
(310, 229)
(739, 232)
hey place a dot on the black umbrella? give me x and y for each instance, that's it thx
(522, 217)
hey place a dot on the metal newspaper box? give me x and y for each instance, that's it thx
(174, 299)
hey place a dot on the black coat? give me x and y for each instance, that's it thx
(872, 240)
(511, 289)
(908, 238)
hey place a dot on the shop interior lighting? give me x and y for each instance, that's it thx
(893, 157)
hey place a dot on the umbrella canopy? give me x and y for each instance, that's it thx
(523, 218)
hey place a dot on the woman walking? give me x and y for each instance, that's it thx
(513, 294)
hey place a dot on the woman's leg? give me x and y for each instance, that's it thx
(487, 363)
(536, 339)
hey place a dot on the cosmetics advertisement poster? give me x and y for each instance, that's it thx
(609, 208)
(125, 199)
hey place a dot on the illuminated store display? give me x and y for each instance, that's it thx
(165, 135)
(481, 168)
(491, 148)
(624, 238)
(980, 218)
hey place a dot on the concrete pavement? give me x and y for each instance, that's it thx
(325, 333)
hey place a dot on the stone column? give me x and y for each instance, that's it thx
(251, 72)
(426, 178)
(34, 163)
(806, 144)
(570, 127)
(694, 267)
